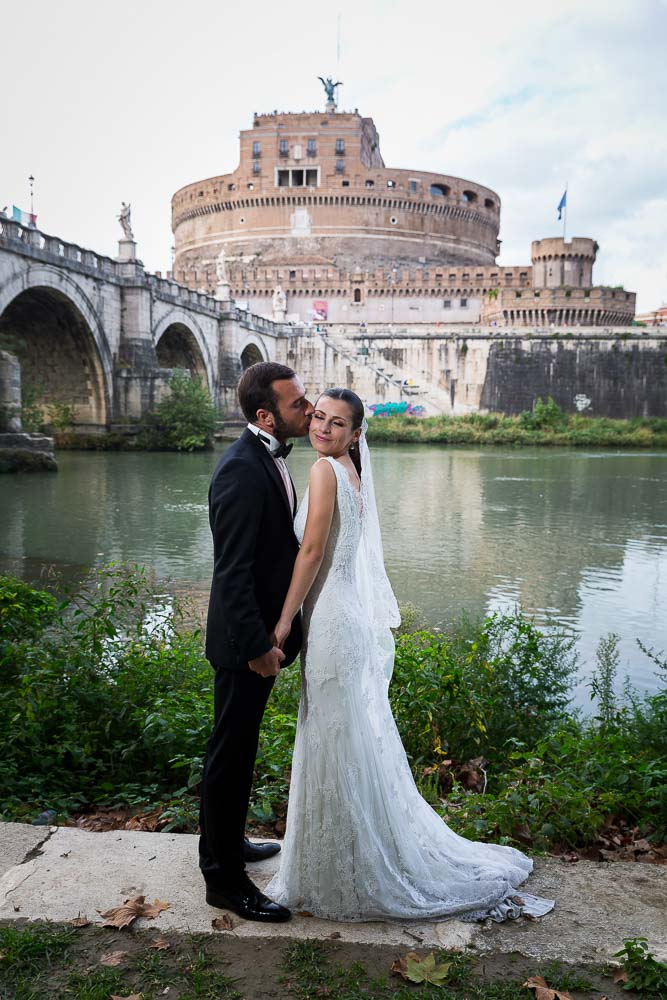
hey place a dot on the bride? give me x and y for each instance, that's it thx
(361, 843)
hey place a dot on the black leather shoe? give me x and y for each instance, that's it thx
(258, 852)
(248, 902)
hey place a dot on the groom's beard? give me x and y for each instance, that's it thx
(284, 430)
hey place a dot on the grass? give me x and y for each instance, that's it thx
(44, 961)
(554, 429)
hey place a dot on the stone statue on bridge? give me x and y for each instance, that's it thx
(124, 219)
(279, 303)
(221, 268)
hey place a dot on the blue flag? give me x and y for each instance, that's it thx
(561, 204)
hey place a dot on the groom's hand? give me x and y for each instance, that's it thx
(268, 665)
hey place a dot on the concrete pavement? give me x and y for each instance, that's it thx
(59, 873)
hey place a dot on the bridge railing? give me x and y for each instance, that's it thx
(35, 239)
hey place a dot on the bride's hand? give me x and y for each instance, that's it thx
(280, 632)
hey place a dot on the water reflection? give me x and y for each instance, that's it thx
(575, 537)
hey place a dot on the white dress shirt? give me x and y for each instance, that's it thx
(272, 444)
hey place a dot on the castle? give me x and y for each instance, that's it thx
(314, 227)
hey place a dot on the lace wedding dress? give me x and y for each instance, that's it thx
(361, 843)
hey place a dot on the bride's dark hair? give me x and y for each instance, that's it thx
(357, 413)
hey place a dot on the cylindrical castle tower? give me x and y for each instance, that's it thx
(557, 263)
(312, 188)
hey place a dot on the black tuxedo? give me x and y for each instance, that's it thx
(254, 550)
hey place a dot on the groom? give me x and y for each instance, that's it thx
(252, 503)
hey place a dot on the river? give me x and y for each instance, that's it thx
(572, 537)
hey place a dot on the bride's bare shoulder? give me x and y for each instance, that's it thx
(322, 475)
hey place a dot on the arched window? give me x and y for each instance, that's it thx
(357, 295)
(439, 190)
(469, 196)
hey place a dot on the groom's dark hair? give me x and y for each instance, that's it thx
(255, 389)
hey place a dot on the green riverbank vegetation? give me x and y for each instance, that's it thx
(546, 424)
(183, 420)
(106, 703)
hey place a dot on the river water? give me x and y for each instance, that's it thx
(572, 537)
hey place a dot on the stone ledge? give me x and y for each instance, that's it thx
(597, 905)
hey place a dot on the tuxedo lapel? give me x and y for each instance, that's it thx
(272, 470)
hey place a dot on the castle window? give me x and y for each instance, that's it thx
(283, 178)
(297, 178)
(357, 295)
(311, 148)
(536, 294)
(292, 275)
(466, 277)
(469, 196)
(393, 220)
(391, 184)
(464, 303)
(439, 190)
(340, 147)
(413, 185)
(370, 184)
(517, 295)
(523, 274)
(488, 203)
(447, 304)
(283, 147)
(256, 166)
(231, 187)
(345, 184)
(256, 149)
(340, 166)
(311, 178)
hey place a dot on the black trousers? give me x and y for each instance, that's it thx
(240, 697)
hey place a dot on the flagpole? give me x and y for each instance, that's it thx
(565, 216)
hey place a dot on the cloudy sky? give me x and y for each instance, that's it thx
(129, 101)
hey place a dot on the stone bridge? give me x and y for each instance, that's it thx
(104, 335)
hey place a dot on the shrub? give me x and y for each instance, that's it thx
(183, 421)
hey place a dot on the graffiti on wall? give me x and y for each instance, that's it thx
(402, 409)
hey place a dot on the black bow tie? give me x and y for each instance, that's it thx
(282, 451)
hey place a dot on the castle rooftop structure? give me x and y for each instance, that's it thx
(313, 222)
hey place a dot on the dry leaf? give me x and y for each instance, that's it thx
(112, 958)
(80, 922)
(123, 916)
(544, 992)
(154, 909)
(160, 944)
(400, 966)
(620, 976)
(223, 923)
(303, 913)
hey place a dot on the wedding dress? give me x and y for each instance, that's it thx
(361, 843)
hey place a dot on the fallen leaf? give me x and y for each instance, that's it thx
(303, 913)
(80, 922)
(544, 992)
(620, 976)
(421, 970)
(112, 958)
(335, 936)
(160, 944)
(154, 909)
(223, 923)
(123, 916)
(130, 996)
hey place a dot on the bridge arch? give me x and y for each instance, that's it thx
(254, 349)
(180, 343)
(54, 330)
